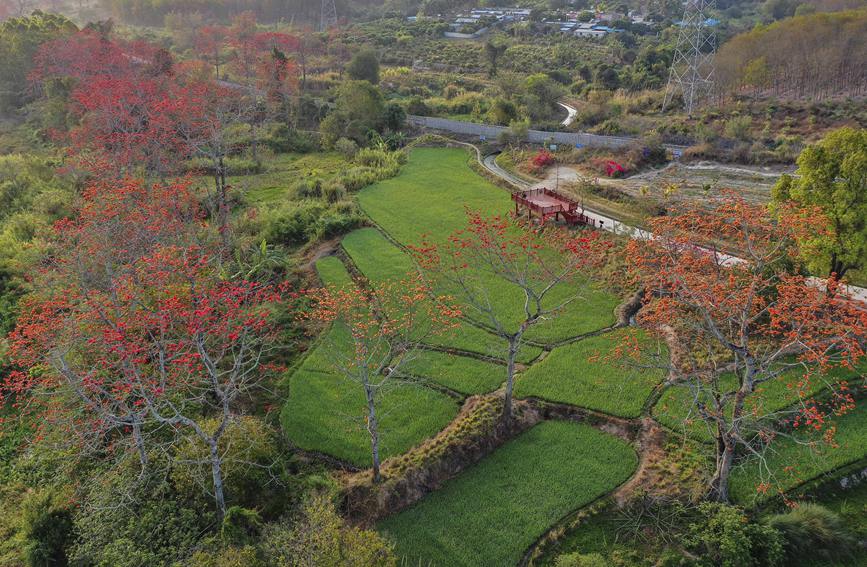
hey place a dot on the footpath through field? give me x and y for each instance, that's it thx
(617, 227)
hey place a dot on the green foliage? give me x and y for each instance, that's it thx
(156, 526)
(364, 66)
(582, 560)
(20, 39)
(241, 526)
(294, 224)
(346, 147)
(280, 138)
(832, 175)
(318, 536)
(250, 458)
(581, 374)
(47, 521)
(246, 556)
(493, 511)
(724, 536)
(813, 533)
(358, 109)
(32, 197)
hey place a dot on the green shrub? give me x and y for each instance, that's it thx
(155, 526)
(240, 526)
(280, 138)
(47, 519)
(333, 191)
(738, 127)
(293, 226)
(251, 470)
(815, 533)
(319, 537)
(306, 189)
(724, 536)
(228, 557)
(335, 223)
(346, 147)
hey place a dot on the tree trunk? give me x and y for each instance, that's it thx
(719, 485)
(510, 378)
(373, 431)
(217, 473)
(139, 443)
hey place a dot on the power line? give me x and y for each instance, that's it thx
(692, 68)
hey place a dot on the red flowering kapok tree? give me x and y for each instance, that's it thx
(510, 278)
(377, 330)
(754, 318)
(133, 339)
(167, 350)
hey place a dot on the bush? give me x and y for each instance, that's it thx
(279, 138)
(738, 127)
(333, 191)
(241, 526)
(228, 557)
(346, 147)
(319, 537)
(306, 189)
(251, 464)
(815, 533)
(47, 528)
(725, 537)
(335, 223)
(155, 526)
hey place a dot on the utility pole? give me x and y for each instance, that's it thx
(692, 68)
(328, 15)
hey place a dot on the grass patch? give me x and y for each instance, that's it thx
(676, 410)
(794, 463)
(492, 512)
(332, 272)
(430, 196)
(459, 373)
(570, 375)
(284, 170)
(325, 412)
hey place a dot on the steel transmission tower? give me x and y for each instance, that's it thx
(328, 16)
(692, 68)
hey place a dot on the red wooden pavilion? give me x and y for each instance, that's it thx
(550, 205)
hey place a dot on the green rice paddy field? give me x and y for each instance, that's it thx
(491, 513)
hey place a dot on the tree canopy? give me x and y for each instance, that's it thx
(832, 175)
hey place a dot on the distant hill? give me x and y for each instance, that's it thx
(814, 56)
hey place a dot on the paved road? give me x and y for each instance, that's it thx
(571, 113)
(617, 227)
(489, 132)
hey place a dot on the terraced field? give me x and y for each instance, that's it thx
(325, 412)
(795, 461)
(673, 408)
(493, 511)
(581, 374)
